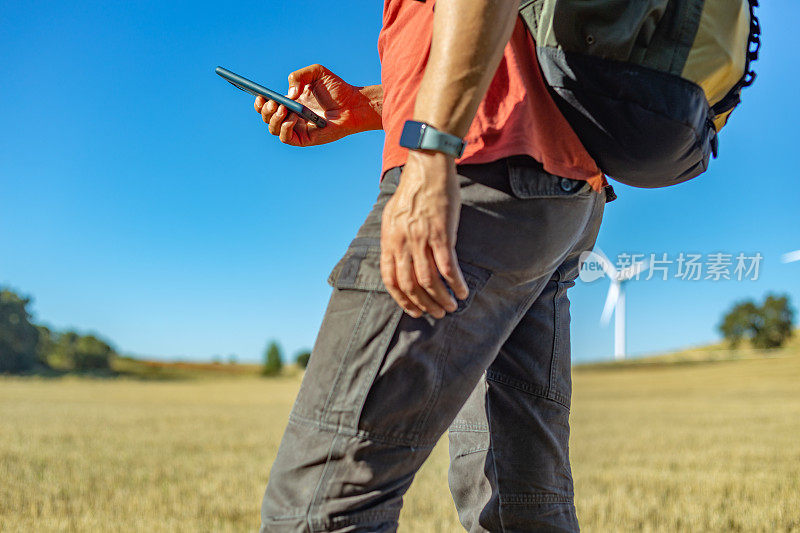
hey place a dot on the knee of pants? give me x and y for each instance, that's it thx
(331, 480)
(509, 464)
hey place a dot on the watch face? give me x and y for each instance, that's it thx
(412, 134)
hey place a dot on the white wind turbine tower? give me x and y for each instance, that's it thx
(615, 301)
(791, 257)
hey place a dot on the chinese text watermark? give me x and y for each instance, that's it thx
(685, 266)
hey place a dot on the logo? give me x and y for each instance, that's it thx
(591, 267)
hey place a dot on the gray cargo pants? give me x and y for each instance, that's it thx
(381, 387)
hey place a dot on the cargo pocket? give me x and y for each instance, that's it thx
(358, 325)
(476, 277)
(358, 330)
(411, 402)
(360, 268)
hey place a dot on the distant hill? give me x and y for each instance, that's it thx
(140, 368)
(700, 354)
(145, 369)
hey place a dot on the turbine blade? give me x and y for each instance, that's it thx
(791, 257)
(611, 303)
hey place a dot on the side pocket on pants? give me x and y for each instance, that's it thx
(359, 323)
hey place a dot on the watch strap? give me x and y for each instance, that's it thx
(421, 136)
(433, 139)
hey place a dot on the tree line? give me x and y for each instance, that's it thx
(273, 359)
(766, 325)
(26, 346)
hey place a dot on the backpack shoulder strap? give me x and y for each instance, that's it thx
(732, 99)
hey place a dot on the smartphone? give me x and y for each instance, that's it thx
(257, 90)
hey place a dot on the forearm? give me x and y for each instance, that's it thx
(370, 109)
(469, 37)
(420, 222)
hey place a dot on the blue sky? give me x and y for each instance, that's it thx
(142, 198)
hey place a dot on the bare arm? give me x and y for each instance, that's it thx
(469, 37)
(418, 232)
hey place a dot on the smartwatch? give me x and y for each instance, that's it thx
(421, 136)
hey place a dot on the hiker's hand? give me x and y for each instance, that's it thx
(418, 237)
(348, 109)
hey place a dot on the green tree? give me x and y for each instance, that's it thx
(768, 325)
(60, 355)
(45, 345)
(302, 358)
(19, 338)
(72, 351)
(92, 353)
(775, 325)
(739, 322)
(273, 363)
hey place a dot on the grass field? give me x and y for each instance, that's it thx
(666, 447)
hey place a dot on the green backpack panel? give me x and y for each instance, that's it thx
(646, 84)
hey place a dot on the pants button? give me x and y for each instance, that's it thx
(567, 184)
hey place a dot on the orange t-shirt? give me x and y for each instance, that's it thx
(516, 117)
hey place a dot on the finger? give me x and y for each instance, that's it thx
(287, 134)
(428, 278)
(260, 101)
(447, 264)
(389, 277)
(410, 286)
(303, 131)
(267, 110)
(277, 119)
(299, 80)
(306, 75)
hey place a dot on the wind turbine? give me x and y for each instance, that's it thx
(615, 301)
(791, 257)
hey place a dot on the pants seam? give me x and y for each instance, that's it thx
(343, 360)
(354, 519)
(313, 504)
(556, 339)
(491, 451)
(471, 451)
(362, 434)
(471, 428)
(534, 498)
(388, 333)
(539, 392)
(281, 518)
(440, 357)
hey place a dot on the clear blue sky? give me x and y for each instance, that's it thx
(142, 198)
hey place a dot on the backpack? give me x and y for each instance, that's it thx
(646, 84)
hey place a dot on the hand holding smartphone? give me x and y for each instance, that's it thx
(315, 92)
(258, 90)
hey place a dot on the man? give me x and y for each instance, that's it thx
(449, 309)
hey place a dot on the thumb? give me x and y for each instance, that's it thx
(305, 76)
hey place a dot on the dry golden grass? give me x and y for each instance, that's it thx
(701, 447)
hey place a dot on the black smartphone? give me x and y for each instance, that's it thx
(257, 90)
